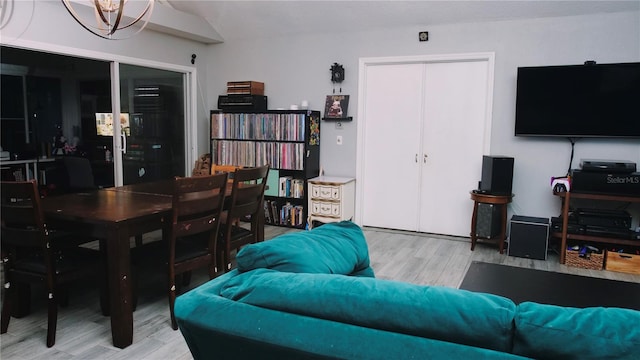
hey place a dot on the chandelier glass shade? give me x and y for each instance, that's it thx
(109, 17)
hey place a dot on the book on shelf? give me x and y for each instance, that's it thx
(297, 188)
(288, 214)
(285, 186)
(290, 187)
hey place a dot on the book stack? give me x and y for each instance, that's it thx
(290, 187)
(245, 88)
(283, 214)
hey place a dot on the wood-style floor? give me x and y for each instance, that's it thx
(83, 333)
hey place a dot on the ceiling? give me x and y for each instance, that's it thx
(264, 18)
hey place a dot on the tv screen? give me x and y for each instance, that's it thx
(104, 124)
(600, 100)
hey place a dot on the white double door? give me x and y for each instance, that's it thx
(425, 128)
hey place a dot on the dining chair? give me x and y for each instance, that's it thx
(70, 174)
(197, 206)
(230, 169)
(33, 254)
(246, 201)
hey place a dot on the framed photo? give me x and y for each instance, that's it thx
(336, 106)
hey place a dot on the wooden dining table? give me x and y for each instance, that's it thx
(114, 215)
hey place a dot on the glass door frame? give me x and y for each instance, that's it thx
(190, 92)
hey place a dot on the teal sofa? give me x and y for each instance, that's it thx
(313, 295)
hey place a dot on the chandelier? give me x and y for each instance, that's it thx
(109, 17)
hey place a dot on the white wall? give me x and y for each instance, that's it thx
(296, 68)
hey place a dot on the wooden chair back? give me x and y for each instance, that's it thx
(217, 169)
(197, 203)
(23, 227)
(245, 202)
(197, 206)
(32, 256)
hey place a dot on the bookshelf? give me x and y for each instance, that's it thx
(287, 140)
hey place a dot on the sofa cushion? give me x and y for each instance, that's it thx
(334, 248)
(440, 313)
(555, 332)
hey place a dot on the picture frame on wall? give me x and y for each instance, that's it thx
(336, 106)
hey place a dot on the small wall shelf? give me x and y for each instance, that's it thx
(348, 118)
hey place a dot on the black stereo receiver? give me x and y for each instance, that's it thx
(617, 166)
(625, 184)
(242, 102)
(604, 218)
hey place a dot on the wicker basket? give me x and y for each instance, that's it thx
(593, 262)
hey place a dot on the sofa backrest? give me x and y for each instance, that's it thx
(334, 248)
(441, 313)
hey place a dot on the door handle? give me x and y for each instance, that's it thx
(416, 158)
(124, 142)
(424, 159)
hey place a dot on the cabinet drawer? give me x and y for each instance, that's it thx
(324, 208)
(315, 208)
(325, 192)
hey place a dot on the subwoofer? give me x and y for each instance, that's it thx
(528, 237)
(488, 221)
(497, 175)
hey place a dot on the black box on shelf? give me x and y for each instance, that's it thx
(528, 237)
(623, 184)
(235, 102)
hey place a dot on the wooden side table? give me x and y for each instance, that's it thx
(331, 199)
(500, 200)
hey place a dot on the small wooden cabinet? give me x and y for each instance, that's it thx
(331, 199)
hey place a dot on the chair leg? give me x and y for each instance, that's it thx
(212, 268)
(53, 319)
(227, 257)
(172, 301)
(6, 308)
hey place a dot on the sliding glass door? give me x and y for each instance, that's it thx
(146, 143)
(152, 120)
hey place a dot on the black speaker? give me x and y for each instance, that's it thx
(528, 237)
(488, 221)
(497, 175)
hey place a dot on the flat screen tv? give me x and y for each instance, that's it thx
(575, 101)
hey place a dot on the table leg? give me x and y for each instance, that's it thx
(119, 275)
(503, 230)
(474, 223)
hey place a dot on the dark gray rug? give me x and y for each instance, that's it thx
(546, 287)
